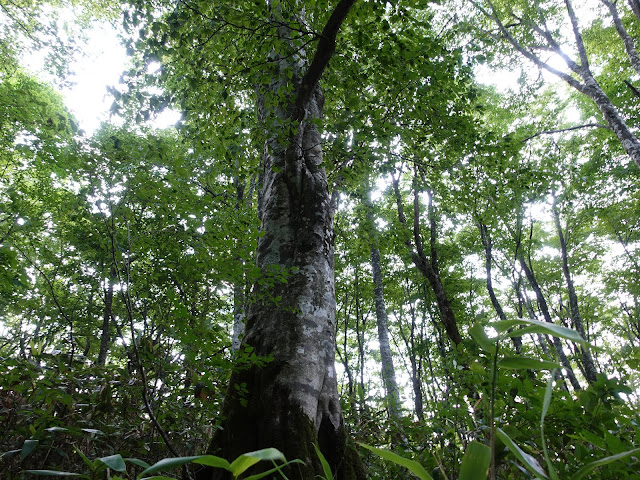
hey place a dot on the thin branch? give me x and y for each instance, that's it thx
(561, 130)
(578, 37)
(635, 91)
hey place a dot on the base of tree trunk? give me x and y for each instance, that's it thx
(252, 422)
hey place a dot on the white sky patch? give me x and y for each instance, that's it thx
(101, 65)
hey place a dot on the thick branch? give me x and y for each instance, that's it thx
(326, 49)
(635, 6)
(629, 45)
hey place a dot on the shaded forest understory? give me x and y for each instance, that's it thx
(355, 241)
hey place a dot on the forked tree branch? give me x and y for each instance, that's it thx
(326, 49)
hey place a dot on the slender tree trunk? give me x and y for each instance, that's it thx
(292, 402)
(360, 332)
(544, 308)
(416, 365)
(388, 370)
(426, 266)
(105, 337)
(488, 249)
(629, 44)
(344, 358)
(590, 370)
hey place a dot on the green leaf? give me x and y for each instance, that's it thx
(277, 468)
(545, 408)
(27, 448)
(535, 326)
(169, 463)
(526, 362)
(479, 335)
(9, 453)
(413, 466)
(138, 462)
(328, 474)
(603, 461)
(88, 462)
(529, 462)
(475, 462)
(56, 429)
(159, 477)
(212, 461)
(114, 462)
(53, 473)
(244, 461)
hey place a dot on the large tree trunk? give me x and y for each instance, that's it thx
(292, 402)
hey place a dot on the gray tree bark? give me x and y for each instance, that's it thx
(428, 267)
(629, 44)
(587, 84)
(388, 370)
(544, 308)
(590, 370)
(635, 7)
(488, 249)
(292, 402)
(105, 337)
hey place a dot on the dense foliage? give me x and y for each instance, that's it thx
(506, 220)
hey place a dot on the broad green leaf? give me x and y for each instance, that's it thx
(535, 326)
(479, 335)
(9, 453)
(27, 448)
(475, 462)
(413, 466)
(328, 474)
(504, 325)
(212, 461)
(529, 462)
(526, 362)
(114, 462)
(246, 460)
(53, 473)
(138, 462)
(603, 461)
(169, 463)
